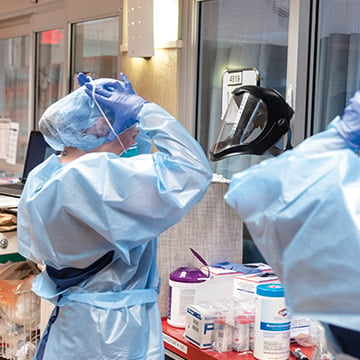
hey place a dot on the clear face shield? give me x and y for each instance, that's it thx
(247, 127)
(244, 120)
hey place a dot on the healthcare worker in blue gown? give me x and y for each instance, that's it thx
(302, 209)
(92, 217)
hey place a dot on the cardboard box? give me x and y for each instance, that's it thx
(199, 326)
(299, 326)
(244, 286)
(221, 282)
(218, 272)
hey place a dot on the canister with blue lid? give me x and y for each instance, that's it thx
(272, 325)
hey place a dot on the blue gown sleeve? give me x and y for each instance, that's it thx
(132, 200)
(301, 209)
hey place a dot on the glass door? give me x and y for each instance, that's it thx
(236, 35)
(50, 56)
(14, 101)
(338, 59)
(95, 47)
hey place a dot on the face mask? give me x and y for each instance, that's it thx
(130, 152)
(255, 120)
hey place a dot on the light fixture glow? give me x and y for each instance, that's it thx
(166, 20)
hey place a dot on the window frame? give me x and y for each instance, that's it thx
(301, 60)
(29, 20)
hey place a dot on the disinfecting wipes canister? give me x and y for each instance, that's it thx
(183, 283)
(272, 325)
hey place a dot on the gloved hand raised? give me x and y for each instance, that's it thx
(118, 97)
(83, 79)
(348, 125)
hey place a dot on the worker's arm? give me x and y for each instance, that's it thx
(156, 190)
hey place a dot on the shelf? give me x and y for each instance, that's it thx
(175, 342)
(8, 246)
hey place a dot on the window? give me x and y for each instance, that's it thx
(14, 91)
(37, 64)
(234, 35)
(338, 59)
(95, 48)
(49, 69)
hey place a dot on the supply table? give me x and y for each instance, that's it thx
(176, 344)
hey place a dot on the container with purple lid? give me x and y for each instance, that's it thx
(183, 283)
(188, 274)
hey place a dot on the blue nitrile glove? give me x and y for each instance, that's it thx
(83, 79)
(118, 97)
(348, 125)
(237, 267)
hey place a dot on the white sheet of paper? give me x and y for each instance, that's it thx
(7, 202)
(4, 137)
(12, 143)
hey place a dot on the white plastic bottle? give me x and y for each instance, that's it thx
(272, 325)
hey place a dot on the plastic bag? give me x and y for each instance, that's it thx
(16, 297)
(303, 212)
(19, 310)
(8, 222)
(18, 270)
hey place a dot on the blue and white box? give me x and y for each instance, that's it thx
(199, 326)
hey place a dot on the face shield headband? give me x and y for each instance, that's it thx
(253, 123)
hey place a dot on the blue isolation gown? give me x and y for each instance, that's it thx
(94, 223)
(303, 210)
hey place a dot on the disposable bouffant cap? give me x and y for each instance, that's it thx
(74, 121)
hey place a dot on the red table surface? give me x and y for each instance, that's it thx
(175, 342)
